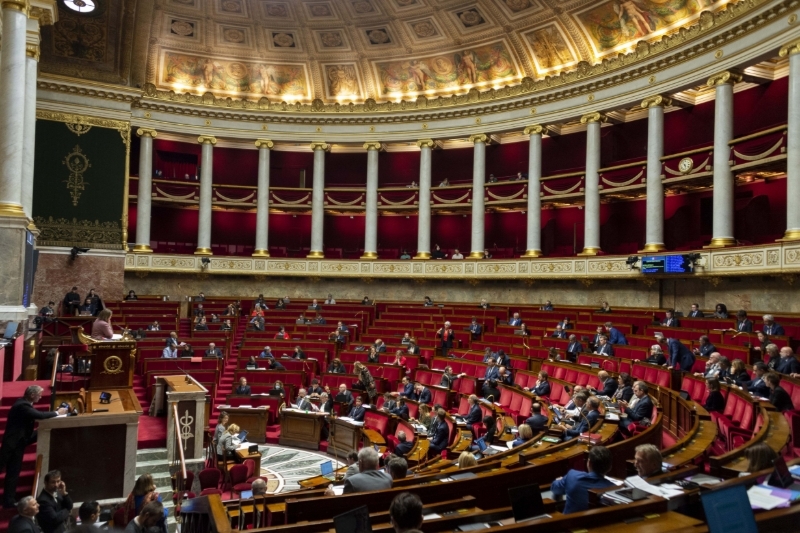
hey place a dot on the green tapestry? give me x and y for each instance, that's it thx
(79, 180)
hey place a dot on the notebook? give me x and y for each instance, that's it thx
(526, 502)
(728, 511)
(354, 521)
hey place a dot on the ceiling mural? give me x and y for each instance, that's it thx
(352, 50)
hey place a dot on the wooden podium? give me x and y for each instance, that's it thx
(301, 429)
(344, 438)
(252, 419)
(112, 363)
(188, 397)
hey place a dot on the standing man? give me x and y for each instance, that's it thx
(679, 354)
(18, 435)
(446, 334)
(54, 504)
(72, 301)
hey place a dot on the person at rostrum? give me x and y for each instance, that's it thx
(72, 301)
(18, 435)
(55, 504)
(405, 512)
(647, 460)
(101, 329)
(25, 521)
(369, 478)
(575, 485)
(228, 442)
(243, 388)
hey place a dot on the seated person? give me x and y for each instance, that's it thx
(608, 383)
(490, 391)
(705, 349)
(131, 297)
(251, 363)
(712, 367)
(566, 324)
(647, 461)
(408, 387)
(427, 302)
(273, 364)
(226, 326)
(604, 347)
(788, 363)
(670, 321)
(657, 356)
(437, 253)
(303, 402)
(421, 393)
(413, 349)
(771, 328)
(524, 434)
(199, 311)
(266, 353)
(213, 351)
(202, 325)
(365, 300)
(743, 323)
(405, 255)
(170, 352)
(605, 308)
(299, 353)
(336, 367)
(243, 388)
(315, 388)
(643, 408)
(585, 421)
(330, 300)
(778, 396)
(758, 386)
(548, 306)
(87, 308)
(559, 333)
(154, 326)
(401, 409)
(258, 323)
(278, 386)
(515, 320)
(319, 320)
(695, 312)
(358, 410)
(576, 484)
(282, 334)
(542, 386)
(484, 304)
(504, 376)
(345, 396)
(441, 435)
(624, 388)
(715, 402)
(474, 416)
(537, 421)
(388, 402)
(302, 320)
(280, 304)
(475, 329)
(490, 431)
(403, 446)
(574, 345)
(215, 318)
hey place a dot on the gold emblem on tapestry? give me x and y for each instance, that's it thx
(77, 163)
(78, 128)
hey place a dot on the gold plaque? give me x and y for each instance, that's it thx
(112, 365)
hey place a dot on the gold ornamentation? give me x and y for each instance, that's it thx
(719, 53)
(32, 50)
(721, 242)
(656, 101)
(723, 78)
(686, 165)
(593, 117)
(653, 247)
(427, 143)
(207, 139)
(142, 249)
(203, 251)
(112, 365)
(264, 143)
(78, 129)
(123, 127)
(589, 250)
(320, 145)
(18, 5)
(479, 138)
(316, 254)
(532, 253)
(738, 260)
(11, 210)
(147, 131)
(372, 146)
(586, 282)
(77, 163)
(44, 16)
(536, 129)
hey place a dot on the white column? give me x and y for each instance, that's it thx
(722, 232)
(793, 144)
(424, 216)
(371, 221)
(478, 182)
(206, 192)
(534, 247)
(144, 195)
(591, 208)
(29, 126)
(654, 225)
(262, 201)
(318, 201)
(12, 108)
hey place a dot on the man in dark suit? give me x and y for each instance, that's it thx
(679, 354)
(314, 305)
(705, 349)
(542, 387)
(696, 312)
(345, 396)
(575, 485)
(380, 346)
(566, 324)
(787, 364)
(484, 304)
(585, 421)
(475, 329)
(474, 416)
(604, 347)
(670, 321)
(413, 349)
(304, 404)
(538, 422)
(25, 521)
(72, 301)
(369, 477)
(504, 376)
(401, 409)
(608, 383)
(600, 332)
(771, 328)
(758, 387)
(213, 351)
(743, 324)
(515, 320)
(778, 397)
(54, 504)
(243, 388)
(446, 335)
(559, 333)
(574, 345)
(408, 388)
(615, 336)
(490, 390)
(548, 306)
(18, 435)
(442, 435)
(641, 410)
(422, 394)
(341, 333)
(358, 410)
(403, 446)
(275, 365)
(491, 370)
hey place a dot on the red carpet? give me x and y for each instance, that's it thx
(152, 432)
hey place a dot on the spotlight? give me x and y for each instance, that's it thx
(631, 261)
(204, 262)
(75, 252)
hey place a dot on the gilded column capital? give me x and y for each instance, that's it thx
(656, 100)
(372, 146)
(320, 145)
(43, 15)
(265, 143)
(207, 139)
(479, 138)
(32, 50)
(146, 131)
(596, 116)
(536, 129)
(724, 78)
(18, 5)
(790, 49)
(428, 143)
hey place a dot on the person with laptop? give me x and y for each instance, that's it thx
(487, 439)
(524, 434)
(575, 485)
(369, 478)
(228, 442)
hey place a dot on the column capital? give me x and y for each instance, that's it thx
(320, 145)
(44, 15)
(265, 143)
(32, 50)
(724, 78)
(425, 143)
(536, 129)
(207, 139)
(146, 131)
(479, 138)
(790, 49)
(656, 100)
(18, 5)
(372, 146)
(596, 116)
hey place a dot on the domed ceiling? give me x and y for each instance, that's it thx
(351, 50)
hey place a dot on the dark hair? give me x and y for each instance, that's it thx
(712, 384)
(155, 508)
(760, 365)
(222, 416)
(741, 313)
(488, 420)
(406, 511)
(353, 456)
(86, 511)
(51, 474)
(398, 467)
(773, 378)
(626, 379)
(600, 460)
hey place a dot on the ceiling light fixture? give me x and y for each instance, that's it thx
(81, 6)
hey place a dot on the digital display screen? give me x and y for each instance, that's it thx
(666, 264)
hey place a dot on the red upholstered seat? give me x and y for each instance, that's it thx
(209, 478)
(206, 492)
(467, 386)
(239, 479)
(376, 422)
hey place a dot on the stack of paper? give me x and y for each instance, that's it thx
(663, 491)
(763, 497)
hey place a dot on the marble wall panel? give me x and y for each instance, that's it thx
(57, 274)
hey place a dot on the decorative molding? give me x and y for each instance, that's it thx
(656, 101)
(790, 49)
(320, 145)
(596, 116)
(147, 131)
(264, 143)
(536, 129)
(728, 77)
(479, 138)
(207, 139)
(82, 233)
(372, 146)
(70, 118)
(428, 143)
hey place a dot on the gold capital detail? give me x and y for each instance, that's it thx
(656, 101)
(790, 49)
(479, 138)
(593, 117)
(428, 143)
(32, 50)
(724, 78)
(536, 129)
(372, 146)
(264, 143)
(146, 131)
(44, 16)
(203, 251)
(207, 139)
(18, 5)
(77, 163)
(320, 145)
(11, 210)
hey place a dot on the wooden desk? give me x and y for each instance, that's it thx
(252, 419)
(242, 455)
(652, 523)
(344, 437)
(317, 482)
(301, 429)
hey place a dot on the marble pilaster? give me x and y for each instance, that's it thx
(591, 213)
(144, 195)
(206, 191)
(654, 223)
(534, 229)
(371, 218)
(262, 201)
(424, 216)
(793, 144)
(478, 182)
(318, 200)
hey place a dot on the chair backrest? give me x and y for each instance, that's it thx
(209, 478)
(238, 474)
(251, 467)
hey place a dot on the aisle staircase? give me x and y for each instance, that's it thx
(226, 384)
(154, 461)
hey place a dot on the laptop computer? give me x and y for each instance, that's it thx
(557, 416)
(781, 477)
(594, 364)
(275, 392)
(728, 510)
(484, 448)
(526, 503)
(353, 521)
(242, 436)
(326, 470)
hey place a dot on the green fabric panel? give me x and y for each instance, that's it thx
(89, 211)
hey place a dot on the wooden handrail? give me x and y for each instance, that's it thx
(179, 441)
(36, 474)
